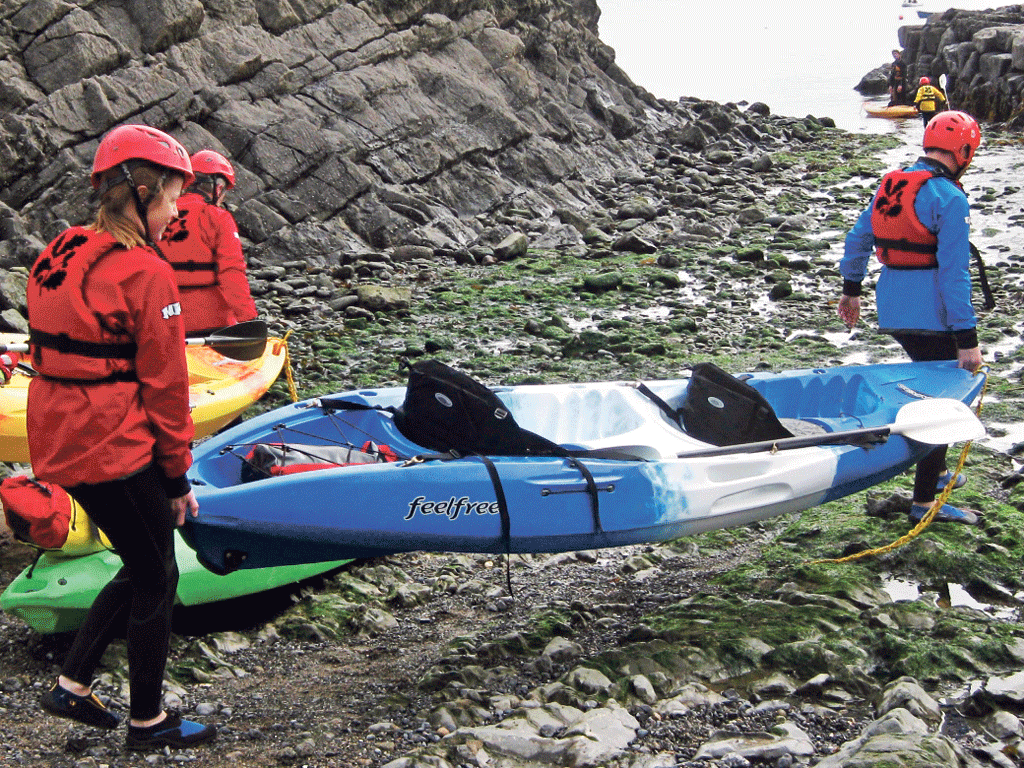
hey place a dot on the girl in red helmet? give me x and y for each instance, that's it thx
(204, 249)
(919, 225)
(108, 419)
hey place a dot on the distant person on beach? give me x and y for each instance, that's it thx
(203, 247)
(918, 223)
(897, 80)
(930, 100)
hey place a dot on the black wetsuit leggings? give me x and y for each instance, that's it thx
(137, 603)
(923, 347)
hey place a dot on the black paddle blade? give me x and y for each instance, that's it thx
(244, 341)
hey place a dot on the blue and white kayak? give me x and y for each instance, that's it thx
(661, 486)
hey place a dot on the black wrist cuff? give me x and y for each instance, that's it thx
(966, 339)
(851, 288)
(176, 487)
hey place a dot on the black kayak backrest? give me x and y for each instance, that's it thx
(447, 410)
(722, 410)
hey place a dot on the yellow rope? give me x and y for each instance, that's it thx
(929, 516)
(288, 374)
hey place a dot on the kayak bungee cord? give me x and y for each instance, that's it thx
(343, 441)
(940, 500)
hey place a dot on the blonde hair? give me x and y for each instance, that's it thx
(112, 216)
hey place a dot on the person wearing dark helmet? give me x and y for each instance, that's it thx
(929, 100)
(108, 419)
(203, 247)
(918, 223)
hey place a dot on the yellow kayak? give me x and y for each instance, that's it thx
(220, 389)
(895, 112)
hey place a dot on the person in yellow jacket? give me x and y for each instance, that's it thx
(929, 100)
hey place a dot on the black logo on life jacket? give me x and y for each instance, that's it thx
(51, 271)
(176, 230)
(889, 202)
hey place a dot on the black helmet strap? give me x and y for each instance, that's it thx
(206, 185)
(141, 207)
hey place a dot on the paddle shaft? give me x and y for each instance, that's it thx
(243, 341)
(831, 438)
(932, 421)
(226, 340)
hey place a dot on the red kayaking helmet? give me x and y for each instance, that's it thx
(140, 142)
(956, 132)
(925, 81)
(213, 164)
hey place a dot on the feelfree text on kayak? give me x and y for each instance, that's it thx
(451, 508)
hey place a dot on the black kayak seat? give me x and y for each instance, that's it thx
(720, 409)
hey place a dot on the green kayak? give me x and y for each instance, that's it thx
(60, 589)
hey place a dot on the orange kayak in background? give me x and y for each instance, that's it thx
(220, 389)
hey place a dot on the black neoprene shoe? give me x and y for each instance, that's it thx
(172, 732)
(83, 709)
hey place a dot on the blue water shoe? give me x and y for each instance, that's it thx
(961, 481)
(171, 732)
(946, 514)
(88, 710)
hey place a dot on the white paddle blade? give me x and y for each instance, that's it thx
(938, 421)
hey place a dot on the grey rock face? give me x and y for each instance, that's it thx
(361, 123)
(463, 129)
(981, 54)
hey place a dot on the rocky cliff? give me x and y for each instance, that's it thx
(350, 120)
(354, 126)
(378, 122)
(981, 53)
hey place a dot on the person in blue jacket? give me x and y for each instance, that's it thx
(918, 223)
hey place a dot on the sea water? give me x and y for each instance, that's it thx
(798, 57)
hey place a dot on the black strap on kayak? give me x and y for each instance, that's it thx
(595, 505)
(506, 520)
(990, 302)
(340, 404)
(35, 560)
(668, 410)
(592, 489)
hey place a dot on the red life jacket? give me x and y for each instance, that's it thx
(185, 248)
(68, 339)
(89, 302)
(204, 248)
(902, 241)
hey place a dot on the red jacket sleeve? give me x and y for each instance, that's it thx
(221, 235)
(161, 365)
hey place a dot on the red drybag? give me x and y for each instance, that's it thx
(38, 513)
